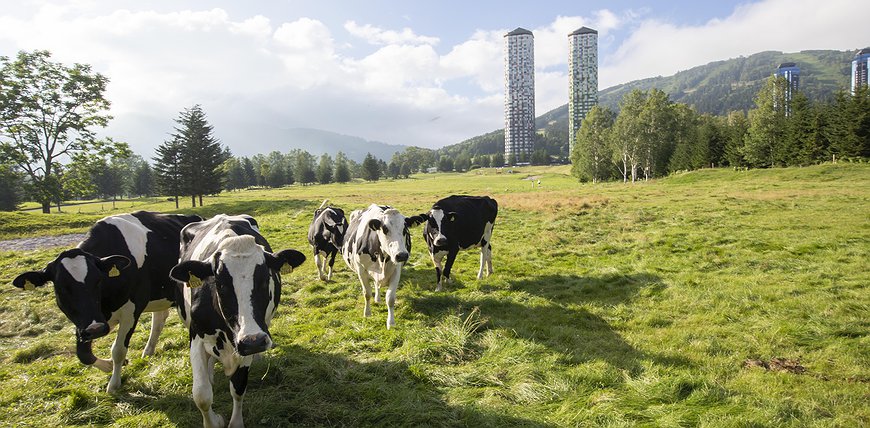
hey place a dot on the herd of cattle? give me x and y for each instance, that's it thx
(225, 279)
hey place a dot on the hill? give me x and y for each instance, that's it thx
(316, 142)
(715, 88)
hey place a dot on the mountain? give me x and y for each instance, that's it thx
(715, 88)
(317, 142)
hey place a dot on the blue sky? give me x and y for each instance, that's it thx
(401, 72)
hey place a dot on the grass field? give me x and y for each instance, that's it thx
(665, 303)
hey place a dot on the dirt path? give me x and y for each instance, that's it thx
(40, 242)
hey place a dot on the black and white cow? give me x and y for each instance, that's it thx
(118, 272)
(377, 246)
(326, 235)
(459, 223)
(231, 287)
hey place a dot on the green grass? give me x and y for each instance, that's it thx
(611, 305)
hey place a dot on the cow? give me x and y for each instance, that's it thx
(457, 223)
(120, 270)
(326, 235)
(231, 286)
(377, 245)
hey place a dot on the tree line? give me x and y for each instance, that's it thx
(653, 136)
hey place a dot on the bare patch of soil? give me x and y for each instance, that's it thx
(777, 365)
(41, 242)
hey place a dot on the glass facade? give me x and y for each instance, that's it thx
(859, 68)
(519, 97)
(582, 78)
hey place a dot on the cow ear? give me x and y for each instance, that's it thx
(329, 221)
(375, 224)
(285, 259)
(31, 280)
(113, 265)
(192, 272)
(415, 220)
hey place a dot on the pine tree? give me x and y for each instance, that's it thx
(342, 170)
(167, 168)
(201, 155)
(250, 172)
(143, 180)
(765, 140)
(370, 169)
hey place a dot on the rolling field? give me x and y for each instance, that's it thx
(711, 298)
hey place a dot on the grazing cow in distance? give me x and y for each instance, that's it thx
(230, 282)
(376, 247)
(120, 270)
(458, 223)
(326, 235)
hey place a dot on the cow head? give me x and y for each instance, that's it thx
(243, 276)
(335, 224)
(439, 225)
(78, 278)
(391, 228)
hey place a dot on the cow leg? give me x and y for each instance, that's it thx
(367, 293)
(238, 384)
(482, 262)
(119, 349)
(451, 257)
(489, 259)
(317, 262)
(331, 262)
(391, 297)
(158, 320)
(203, 376)
(377, 294)
(436, 259)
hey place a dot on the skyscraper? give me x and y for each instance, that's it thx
(860, 64)
(583, 78)
(519, 95)
(792, 73)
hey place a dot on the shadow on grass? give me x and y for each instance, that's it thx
(296, 387)
(556, 321)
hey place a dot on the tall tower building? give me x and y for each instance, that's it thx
(791, 73)
(860, 64)
(583, 78)
(519, 95)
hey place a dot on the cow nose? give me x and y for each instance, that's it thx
(402, 257)
(441, 242)
(253, 343)
(94, 331)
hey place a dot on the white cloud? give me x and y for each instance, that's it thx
(377, 36)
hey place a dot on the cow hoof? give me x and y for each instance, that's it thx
(439, 288)
(113, 387)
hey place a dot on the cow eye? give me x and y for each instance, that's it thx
(386, 230)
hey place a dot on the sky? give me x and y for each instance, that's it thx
(401, 72)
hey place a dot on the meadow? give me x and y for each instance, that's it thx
(709, 298)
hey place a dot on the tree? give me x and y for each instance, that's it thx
(540, 157)
(324, 169)
(591, 157)
(483, 160)
(234, 173)
(143, 180)
(342, 170)
(250, 173)
(47, 111)
(201, 155)
(445, 164)
(405, 170)
(394, 170)
(304, 167)
(735, 137)
(657, 130)
(370, 169)
(167, 168)
(764, 145)
(498, 160)
(10, 183)
(275, 172)
(627, 130)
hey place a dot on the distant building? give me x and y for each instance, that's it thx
(860, 64)
(519, 95)
(791, 73)
(582, 78)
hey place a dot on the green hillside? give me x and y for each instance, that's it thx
(715, 88)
